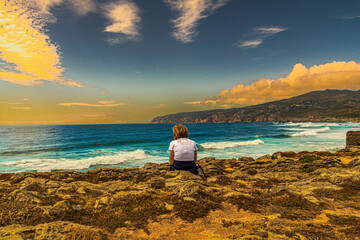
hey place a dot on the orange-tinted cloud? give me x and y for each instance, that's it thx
(15, 103)
(335, 75)
(80, 7)
(107, 102)
(102, 104)
(22, 108)
(26, 49)
(161, 105)
(124, 17)
(189, 14)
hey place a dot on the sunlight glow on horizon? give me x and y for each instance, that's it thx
(128, 61)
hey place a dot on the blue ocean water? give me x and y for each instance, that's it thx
(84, 147)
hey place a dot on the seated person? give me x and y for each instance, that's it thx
(183, 155)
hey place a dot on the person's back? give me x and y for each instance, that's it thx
(183, 155)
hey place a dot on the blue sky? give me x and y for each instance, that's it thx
(157, 57)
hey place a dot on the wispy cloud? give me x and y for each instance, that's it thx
(124, 17)
(30, 56)
(94, 115)
(101, 104)
(350, 17)
(268, 31)
(81, 7)
(335, 75)
(249, 44)
(15, 103)
(107, 102)
(190, 12)
(161, 105)
(258, 35)
(22, 108)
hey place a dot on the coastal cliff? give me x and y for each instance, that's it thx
(287, 195)
(317, 106)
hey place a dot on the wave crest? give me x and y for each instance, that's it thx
(310, 132)
(224, 145)
(46, 165)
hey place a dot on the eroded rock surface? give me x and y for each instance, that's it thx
(306, 195)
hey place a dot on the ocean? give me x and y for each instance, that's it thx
(84, 147)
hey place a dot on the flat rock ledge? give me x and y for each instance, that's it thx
(287, 195)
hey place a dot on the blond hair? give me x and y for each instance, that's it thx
(180, 131)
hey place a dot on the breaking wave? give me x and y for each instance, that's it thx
(310, 132)
(224, 145)
(46, 165)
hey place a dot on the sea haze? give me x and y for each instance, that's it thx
(84, 147)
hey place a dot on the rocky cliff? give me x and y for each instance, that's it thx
(318, 106)
(306, 195)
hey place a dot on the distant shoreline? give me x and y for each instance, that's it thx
(148, 123)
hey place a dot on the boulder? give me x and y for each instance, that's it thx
(60, 208)
(265, 157)
(323, 163)
(17, 177)
(151, 165)
(284, 154)
(32, 184)
(355, 162)
(104, 201)
(25, 196)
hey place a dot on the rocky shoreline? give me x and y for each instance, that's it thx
(306, 195)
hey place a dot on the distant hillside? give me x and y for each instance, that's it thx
(317, 106)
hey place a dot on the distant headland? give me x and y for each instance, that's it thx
(316, 106)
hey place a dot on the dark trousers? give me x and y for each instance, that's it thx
(186, 166)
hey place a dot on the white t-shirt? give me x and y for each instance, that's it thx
(184, 149)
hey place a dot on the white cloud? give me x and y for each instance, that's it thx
(268, 31)
(259, 35)
(190, 12)
(124, 17)
(249, 44)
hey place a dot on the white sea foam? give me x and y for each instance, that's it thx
(45, 165)
(310, 124)
(332, 124)
(310, 132)
(290, 124)
(224, 145)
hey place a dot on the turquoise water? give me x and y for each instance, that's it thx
(84, 147)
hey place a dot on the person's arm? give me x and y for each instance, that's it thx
(171, 158)
(195, 157)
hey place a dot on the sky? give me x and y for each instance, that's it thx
(128, 61)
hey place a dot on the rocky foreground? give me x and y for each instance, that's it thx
(306, 195)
